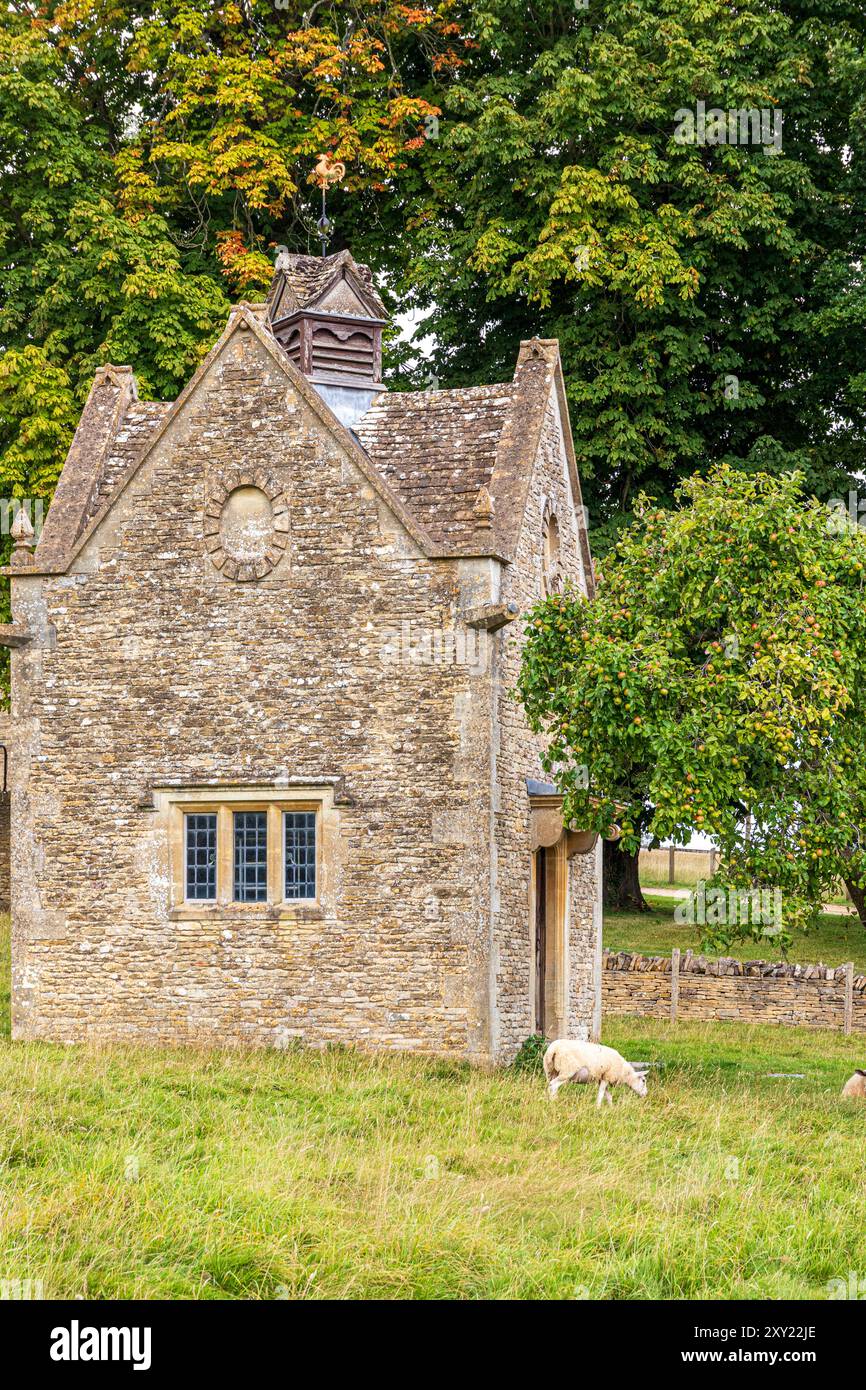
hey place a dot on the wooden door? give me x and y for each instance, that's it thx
(540, 940)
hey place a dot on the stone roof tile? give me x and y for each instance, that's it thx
(438, 449)
(138, 425)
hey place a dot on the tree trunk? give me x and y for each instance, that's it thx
(858, 898)
(622, 889)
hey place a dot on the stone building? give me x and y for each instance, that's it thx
(268, 780)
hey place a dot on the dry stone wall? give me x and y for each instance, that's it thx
(811, 996)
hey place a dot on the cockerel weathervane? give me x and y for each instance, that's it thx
(328, 171)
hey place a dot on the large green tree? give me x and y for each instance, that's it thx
(718, 683)
(152, 153)
(709, 298)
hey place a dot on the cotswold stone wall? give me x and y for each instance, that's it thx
(165, 673)
(694, 988)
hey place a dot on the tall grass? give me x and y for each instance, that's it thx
(194, 1174)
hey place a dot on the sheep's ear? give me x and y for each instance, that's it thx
(860, 1072)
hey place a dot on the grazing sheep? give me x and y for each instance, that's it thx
(582, 1061)
(856, 1086)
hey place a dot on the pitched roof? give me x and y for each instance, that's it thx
(462, 460)
(135, 430)
(112, 441)
(454, 466)
(113, 429)
(302, 282)
(437, 449)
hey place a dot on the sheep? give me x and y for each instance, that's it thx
(855, 1088)
(583, 1061)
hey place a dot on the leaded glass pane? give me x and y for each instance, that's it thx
(201, 856)
(300, 852)
(251, 856)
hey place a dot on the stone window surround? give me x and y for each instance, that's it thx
(173, 804)
(551, 559)
(224, 486)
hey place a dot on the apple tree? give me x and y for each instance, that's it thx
(718, 683)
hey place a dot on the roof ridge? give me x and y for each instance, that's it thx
(445, 392)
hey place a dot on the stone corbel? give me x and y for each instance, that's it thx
(584, 841)
(15, 635)
(490, 617)
(547, 829)
(580, 842)
(546, 826)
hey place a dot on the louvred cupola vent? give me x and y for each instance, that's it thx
(326, 314)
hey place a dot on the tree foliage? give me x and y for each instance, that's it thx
(709, 299)
(718, 683)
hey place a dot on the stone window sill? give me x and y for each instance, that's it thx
(273, 912)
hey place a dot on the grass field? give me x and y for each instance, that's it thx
(838, 939)
(183, 1174)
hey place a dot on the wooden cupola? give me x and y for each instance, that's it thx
(325, 313)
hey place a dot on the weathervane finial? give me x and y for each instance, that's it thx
(326, 172)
